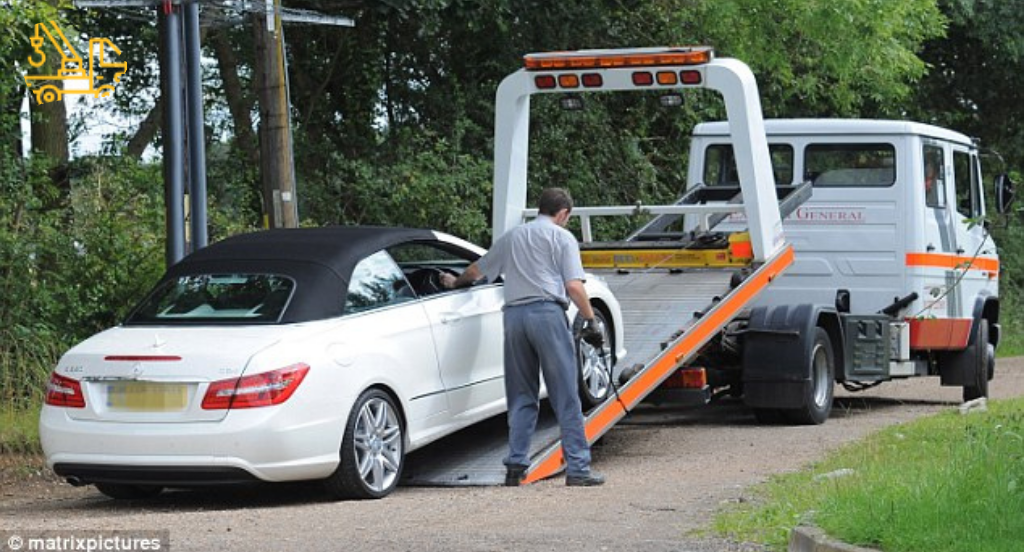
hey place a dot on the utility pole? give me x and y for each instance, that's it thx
(277, 159)
(276, 170)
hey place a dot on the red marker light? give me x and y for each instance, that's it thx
(544, 82)
(592, 80)
(690, 77)
(643, 78)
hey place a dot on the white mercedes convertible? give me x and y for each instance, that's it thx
(285, 355)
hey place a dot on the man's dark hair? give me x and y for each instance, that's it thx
(553, 200)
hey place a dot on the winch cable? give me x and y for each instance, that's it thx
(962, 271)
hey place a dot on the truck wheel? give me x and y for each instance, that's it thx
(595, 365)
(983, 363)
(818, 398)
(372, 451)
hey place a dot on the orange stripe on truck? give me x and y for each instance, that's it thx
(952, 262)
(607, 414)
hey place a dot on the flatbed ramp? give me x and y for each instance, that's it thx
(668, 317)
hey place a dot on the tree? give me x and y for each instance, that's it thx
(976, 81)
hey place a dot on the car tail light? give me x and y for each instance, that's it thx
(266, 389)
(62, 391)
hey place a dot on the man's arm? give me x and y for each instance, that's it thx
(578, 293)
(468, 276)
(589, 332)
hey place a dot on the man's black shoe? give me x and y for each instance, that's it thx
(591, 479)
(514, 474)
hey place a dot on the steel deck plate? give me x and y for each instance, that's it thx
(657, 304)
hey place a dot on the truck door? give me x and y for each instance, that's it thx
(941, 295)
(975, 249)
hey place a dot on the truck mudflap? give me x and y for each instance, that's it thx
(683, 348)
(776, 350)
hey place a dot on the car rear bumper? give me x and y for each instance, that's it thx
(255, 444)
(167, 476)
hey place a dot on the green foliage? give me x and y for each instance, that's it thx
(975, 83)
(425, 183)
(78, 267)
(26, 359)
(945, 483)
(829, 58)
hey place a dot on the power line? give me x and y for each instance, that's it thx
(288, 15)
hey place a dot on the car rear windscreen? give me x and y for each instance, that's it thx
(216, 298)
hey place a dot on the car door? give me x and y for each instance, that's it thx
(467, 329)
(385, 335)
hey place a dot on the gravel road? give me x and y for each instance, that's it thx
(668, 471)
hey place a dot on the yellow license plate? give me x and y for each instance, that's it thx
(145, 396)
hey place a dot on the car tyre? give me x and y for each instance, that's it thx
(122, 491)
(594, 364)
(372, 450)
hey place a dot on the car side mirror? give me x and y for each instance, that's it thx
(1005, 192)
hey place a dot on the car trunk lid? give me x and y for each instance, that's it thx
(133, 374)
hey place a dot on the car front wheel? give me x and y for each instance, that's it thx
(372, 451)
(595, 364)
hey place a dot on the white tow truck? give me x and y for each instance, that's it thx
(676, 296)
(895, 276)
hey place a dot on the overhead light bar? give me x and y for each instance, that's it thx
(612, 59)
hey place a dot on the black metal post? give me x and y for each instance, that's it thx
(196, 131)
(173, 154)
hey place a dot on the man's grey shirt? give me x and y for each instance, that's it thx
(536, 259)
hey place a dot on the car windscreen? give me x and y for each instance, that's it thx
(216, 299)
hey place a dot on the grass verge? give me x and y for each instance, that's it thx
(19, 431)
(947, 483)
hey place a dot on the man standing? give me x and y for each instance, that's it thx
(541, 265)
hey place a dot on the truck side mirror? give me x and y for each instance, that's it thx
(1004, 193)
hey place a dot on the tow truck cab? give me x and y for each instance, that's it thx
(892, 253)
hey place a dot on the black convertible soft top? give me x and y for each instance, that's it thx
(320, 260)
